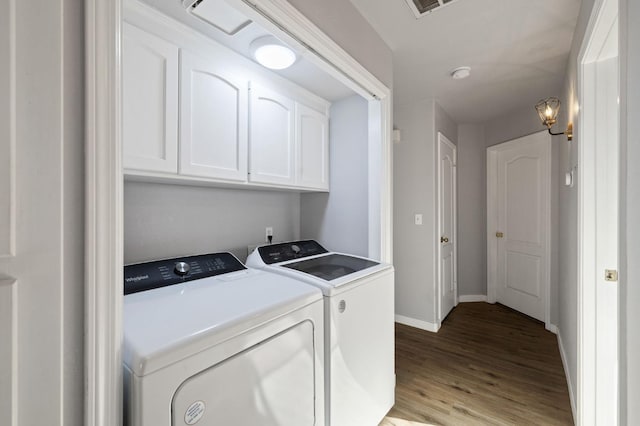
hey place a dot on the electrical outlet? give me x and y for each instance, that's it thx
(268, 232)
(418, 219)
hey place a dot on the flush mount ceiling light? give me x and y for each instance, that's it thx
(548, 111)
(460, 73)
(272, 53)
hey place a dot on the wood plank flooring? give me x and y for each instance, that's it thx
(488, 365)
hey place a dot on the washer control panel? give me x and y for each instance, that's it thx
(276, 253)
(162, 273)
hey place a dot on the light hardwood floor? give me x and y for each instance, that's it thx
(488, 365)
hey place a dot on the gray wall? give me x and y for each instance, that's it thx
(630, 212)
(341, 21)
(340, 219)
(472, 210)
(414, 192)
(414, 189)
(163, 221)
(568, 210)
(445, 124)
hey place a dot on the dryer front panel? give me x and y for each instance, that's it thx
(271, 383)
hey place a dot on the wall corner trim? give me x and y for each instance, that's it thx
(565, 367)
(423, 325)
(467, 298)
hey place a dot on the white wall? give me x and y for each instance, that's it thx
(340, 219)
(414, 188)
(162, 221)
(44, 384)
(341, 21)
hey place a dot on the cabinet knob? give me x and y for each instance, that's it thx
(444, 239)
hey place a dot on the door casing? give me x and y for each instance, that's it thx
(598, 201)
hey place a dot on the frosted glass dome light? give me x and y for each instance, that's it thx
(271, 53)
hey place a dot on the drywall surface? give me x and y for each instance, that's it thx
(414, 193)
(630, 211)
(341, 21)
(163, 221)
(518, 123)
(339, 219)
(568, 208)
(445, 124)
(472, 210)
(42, 329)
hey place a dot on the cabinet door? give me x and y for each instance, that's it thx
(213, 119)
(150, 101)
(271, 127)
(312, 142)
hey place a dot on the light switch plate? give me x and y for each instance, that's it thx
(418, 219)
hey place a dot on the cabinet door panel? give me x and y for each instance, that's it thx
(213, 120)
(150, 102)
(312, 141)
(272, 149)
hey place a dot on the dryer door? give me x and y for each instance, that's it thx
(271, 383)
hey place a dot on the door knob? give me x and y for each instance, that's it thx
(444, 239)
(499, 234)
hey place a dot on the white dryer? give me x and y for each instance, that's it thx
(210, 342)
(359, 325)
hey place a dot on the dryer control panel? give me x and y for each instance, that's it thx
(162, 273)
(276, 253)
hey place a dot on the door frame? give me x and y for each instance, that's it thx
(104, 178)
(589, 307)
(443, 139)
(492, 221)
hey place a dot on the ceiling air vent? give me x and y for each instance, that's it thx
(422, 7)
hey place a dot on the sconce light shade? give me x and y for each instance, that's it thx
(548, 111)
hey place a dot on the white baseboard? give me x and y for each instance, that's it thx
(423, 325)
(563, 356)
(472, 298)
(552, 328)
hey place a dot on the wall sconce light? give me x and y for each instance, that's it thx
(548, 111)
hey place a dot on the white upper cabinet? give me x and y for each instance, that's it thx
(190, 115)
(271, 135)
(213, 120)
(150, 101)
(312, 141)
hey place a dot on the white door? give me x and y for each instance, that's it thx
(213, 120)
(312, 142)
(271, 134)
(519, 217)
(150, 101)
(447, 224)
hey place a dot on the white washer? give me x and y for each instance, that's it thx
(359, 325)
(209, 342)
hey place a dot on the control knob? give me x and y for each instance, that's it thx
(182, 268)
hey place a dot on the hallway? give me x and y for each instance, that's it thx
(488, 364)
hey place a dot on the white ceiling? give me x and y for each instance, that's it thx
(517, 51)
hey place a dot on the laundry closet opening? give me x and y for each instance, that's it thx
(218, 148)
